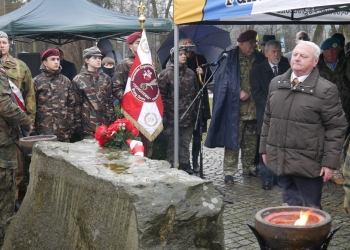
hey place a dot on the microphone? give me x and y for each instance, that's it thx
(221, 58)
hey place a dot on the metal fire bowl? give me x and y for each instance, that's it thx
(279, 237)
(27, 143)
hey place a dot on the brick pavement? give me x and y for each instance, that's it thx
(248, 198)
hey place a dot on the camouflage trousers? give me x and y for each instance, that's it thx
(7, 199)
(185, 136)
(247, 142)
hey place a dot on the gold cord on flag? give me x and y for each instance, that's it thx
(199, 75)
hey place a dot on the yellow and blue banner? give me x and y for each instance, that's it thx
(187, 11)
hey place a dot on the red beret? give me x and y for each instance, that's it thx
(246, 36)
(50, 52)
(133, 37)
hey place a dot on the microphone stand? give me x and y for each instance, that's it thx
(199, 120)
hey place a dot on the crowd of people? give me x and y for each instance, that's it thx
(286, 117)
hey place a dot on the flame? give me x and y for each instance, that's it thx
(304, 216)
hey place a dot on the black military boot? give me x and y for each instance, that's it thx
(196, 144)
(186, 168)
(195, 166)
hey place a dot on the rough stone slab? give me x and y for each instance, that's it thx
(75, 201)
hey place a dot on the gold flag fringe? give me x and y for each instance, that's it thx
(149, 136)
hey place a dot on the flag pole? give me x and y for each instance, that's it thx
(142, 17)
(142, 20)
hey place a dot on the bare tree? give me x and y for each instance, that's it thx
(318, 35)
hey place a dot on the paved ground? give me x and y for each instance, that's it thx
(248, 198)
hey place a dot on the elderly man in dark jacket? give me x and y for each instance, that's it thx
(304, 127)
(233, 123)
(260, 78)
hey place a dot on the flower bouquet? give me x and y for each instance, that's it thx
(116, 134)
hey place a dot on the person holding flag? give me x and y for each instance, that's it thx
(135, 85)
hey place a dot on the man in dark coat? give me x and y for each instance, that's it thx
(68, 69)
(267, 38)
(260, 78)
(202, 75)
(233, 124)
(303, 131)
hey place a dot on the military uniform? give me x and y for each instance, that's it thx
(121, 75)
(55, 104)
(247, 124)
(10, 117)
(188, 89)
(19, 73)
(93, 101)
(340, 76)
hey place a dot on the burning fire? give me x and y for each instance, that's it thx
(304, 216)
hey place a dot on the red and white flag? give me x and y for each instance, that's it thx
(142, 103)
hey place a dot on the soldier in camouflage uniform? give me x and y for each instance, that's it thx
(122, 74)
(335, 67)
(20, 75)
(10, 117)
(248, 57)
(188, 89)
(123, 68)
(55, 99)
(93, 98)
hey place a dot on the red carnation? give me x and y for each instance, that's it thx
(135, 132)
(101, 132)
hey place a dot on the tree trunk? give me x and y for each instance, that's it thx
(318, 35)
(334, 29)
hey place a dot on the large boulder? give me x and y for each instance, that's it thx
(82, 196)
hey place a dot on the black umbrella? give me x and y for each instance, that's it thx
(210, 41)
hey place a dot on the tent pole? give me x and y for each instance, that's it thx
(13, 45)
(176, 95)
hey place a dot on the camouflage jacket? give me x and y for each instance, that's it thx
(10, 117)
(122, 74)
(246, 108)
(94, 100)
(55, 104)
(19, 73)
(188, 88)
(340, 76)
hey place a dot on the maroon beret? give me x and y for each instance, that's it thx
(133, 37)
(246, 36)
(50, 52)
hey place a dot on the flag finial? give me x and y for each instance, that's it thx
(142, 18)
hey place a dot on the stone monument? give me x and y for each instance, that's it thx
(82, 196)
